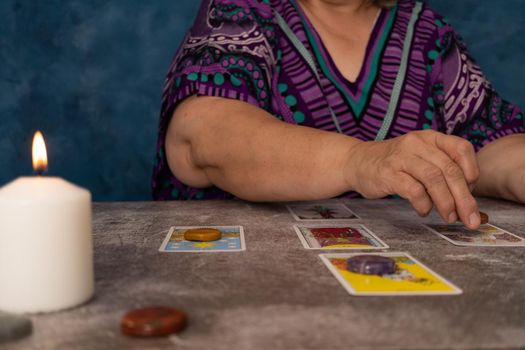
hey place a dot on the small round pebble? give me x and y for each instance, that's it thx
(153, 321)
(371, 265)
(14, 327)
(202, 234)
(484, 218)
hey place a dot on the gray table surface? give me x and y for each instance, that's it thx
(277, 295)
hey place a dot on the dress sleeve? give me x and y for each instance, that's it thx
(229, 53)
(466, 103)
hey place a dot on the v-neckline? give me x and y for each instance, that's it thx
(365, 63)
(356, 92)
(371, 41)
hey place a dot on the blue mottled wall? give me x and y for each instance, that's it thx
(88, 73)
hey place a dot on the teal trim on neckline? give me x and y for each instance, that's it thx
(303, 51)
(359, 105)
(400, 78)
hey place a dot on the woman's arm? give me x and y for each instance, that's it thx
(249, 153)
(246, 151)
(502, 165)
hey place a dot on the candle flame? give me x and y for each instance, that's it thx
(39, 153)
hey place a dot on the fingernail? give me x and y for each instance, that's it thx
(474, 219)
(452, 218)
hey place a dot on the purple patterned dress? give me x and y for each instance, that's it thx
(417, 74)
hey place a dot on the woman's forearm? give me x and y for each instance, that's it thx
(247, 152)
(502, 169)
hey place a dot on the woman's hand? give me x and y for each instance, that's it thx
(426, 167)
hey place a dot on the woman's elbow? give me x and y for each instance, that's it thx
(179, 156)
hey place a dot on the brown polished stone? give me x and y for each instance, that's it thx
(154, 321)
(484, 218)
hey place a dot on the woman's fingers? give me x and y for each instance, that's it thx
(412, 190)
(433, 180)
(462, 153)
(466, 206)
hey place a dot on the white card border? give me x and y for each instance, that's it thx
(162, 248)
(345, 207)
(347, 286)
(465, 244)
(353, 225)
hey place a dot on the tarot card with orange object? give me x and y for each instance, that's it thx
(321, 211)
(338, 237)
(407, 276)
(486, 235)
(232, 240)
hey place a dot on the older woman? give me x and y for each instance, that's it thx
(278, 100)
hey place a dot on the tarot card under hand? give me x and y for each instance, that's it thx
(232, 240)
(321, 211)
(338, 237)
(485, 236)
(411, 277)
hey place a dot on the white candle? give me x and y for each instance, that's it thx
(46, 254)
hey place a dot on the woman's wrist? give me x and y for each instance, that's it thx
(353, 164)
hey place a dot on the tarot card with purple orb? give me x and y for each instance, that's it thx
(402, 275)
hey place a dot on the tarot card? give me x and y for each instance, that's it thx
(321, 211)
(232, 240)
(338, 237)
(411, 277)
(486, 235)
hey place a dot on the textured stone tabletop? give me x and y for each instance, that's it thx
(278, 295)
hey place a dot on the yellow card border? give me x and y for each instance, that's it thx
(346, 285)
